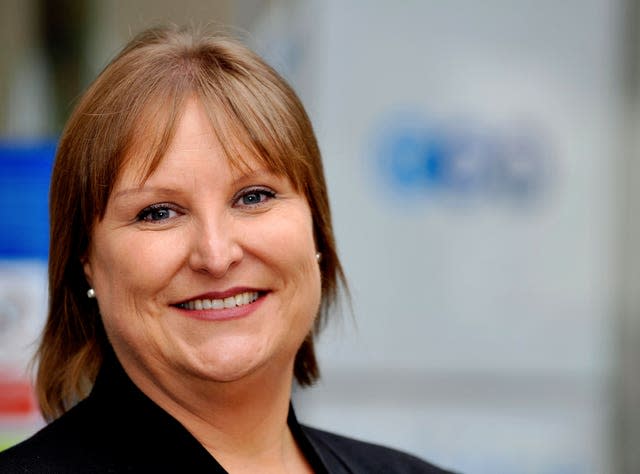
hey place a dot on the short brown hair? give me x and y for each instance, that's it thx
(139, 96)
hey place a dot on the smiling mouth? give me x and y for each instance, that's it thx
(241, 299)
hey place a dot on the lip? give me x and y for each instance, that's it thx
(222, 314)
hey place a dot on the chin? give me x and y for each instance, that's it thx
(227, 367)
(224, 367)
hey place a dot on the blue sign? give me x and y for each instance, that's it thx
(466, 162)
(25, 173)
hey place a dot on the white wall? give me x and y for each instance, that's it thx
(483, 311)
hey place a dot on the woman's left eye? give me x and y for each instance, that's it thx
(255, 196)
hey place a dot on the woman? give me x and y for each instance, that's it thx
(192, 261)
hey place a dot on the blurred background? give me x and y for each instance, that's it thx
(481, 161)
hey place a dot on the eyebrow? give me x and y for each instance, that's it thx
(144, 189)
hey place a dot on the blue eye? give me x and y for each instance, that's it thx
(156, 213)
(255, 196)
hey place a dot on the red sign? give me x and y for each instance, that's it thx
(16, 398)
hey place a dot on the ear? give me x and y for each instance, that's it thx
(88, 270)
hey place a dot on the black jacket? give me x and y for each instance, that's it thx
(118, 429)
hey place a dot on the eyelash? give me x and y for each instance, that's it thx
(261, 191)
(144, 215)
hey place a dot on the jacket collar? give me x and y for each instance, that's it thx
(147, 431)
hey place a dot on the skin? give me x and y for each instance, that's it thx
(212, 229)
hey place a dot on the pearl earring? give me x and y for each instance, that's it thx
(91, 293)
(318, 257)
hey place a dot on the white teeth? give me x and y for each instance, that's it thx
(240, 299)
(217, 304)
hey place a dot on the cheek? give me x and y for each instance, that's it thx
(300, 269)
(289, 244)
(286, 246)
(129, 271)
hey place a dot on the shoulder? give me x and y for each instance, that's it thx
(359, 456)
(99, 438)
(61, 447)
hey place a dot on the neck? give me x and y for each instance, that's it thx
(243, 423)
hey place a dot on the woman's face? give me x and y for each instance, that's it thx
(204, 271)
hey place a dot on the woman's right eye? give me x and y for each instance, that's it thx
(156, 213)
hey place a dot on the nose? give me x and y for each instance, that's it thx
(216, 247)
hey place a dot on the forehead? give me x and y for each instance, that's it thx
(160, 141)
